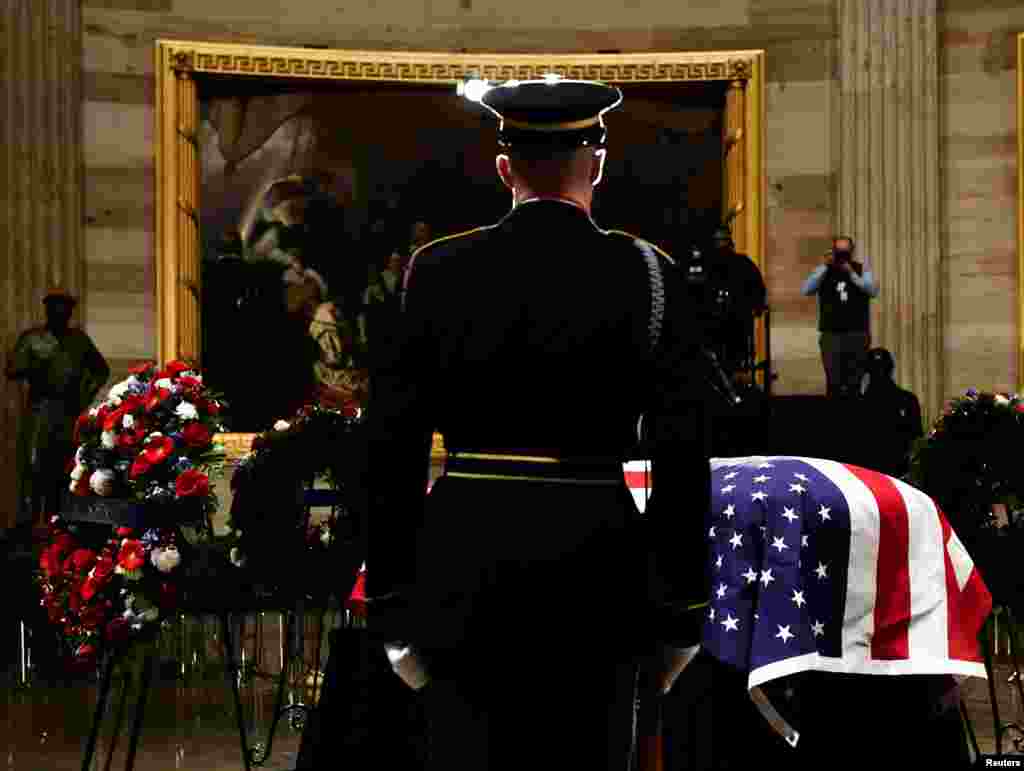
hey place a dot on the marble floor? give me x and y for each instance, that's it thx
(190, 720)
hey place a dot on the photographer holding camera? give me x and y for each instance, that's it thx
(844, 287)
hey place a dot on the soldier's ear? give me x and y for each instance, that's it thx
(504, 171)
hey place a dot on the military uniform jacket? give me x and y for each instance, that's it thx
(533, 335)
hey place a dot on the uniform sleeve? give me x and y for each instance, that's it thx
(400, 428)
(678, 443)
(20, 361)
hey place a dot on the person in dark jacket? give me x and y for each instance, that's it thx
(521, 596)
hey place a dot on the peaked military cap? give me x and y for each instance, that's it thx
(552, 111)
(59, 294)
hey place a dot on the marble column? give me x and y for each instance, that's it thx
(40, 183)
(888, 189)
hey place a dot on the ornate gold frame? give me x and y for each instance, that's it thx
(177, 165)
(1020, 210)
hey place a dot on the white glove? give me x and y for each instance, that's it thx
(671, 663)
(407, 665)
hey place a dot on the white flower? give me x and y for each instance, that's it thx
(94, 411)
(236, 557)
(155, 435)
(128, 421)
(102, 482)
(282, 425)
(77, 471)
(107, 439)
(1001, 400)
(165, 560)
(72, 486)
(187, 411)
(164, 382)
(325, 536)
(114, 401)
(120, 389)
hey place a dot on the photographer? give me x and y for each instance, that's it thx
(844, 287)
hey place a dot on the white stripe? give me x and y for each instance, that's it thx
(816, 662)
(960, 559)
(640, 466)
(862, 569)
(928, 635)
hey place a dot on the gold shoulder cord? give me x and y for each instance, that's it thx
(653, 245)
(415, 254)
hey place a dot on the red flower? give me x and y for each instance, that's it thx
(176, 367)
(83, 559)
(211, 407)
(85, 656)
(1019, 407)
(157, 449)
(190, 383)
(113, 420)
(54, 610)
(196, 435)
(139, 467)
(129, 438)
(117, 630)
(104, 567)
(192, 483)
(132, 555)
(50, 561)
(155, 397)
(142, 368)
(90, 587)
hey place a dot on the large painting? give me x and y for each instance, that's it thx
(314, 197)
(293, 186)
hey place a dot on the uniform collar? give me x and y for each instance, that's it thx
(547, 202)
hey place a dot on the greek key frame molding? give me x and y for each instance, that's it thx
(177, 168)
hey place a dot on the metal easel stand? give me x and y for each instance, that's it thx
(292, 662)
(143, 674)
(990, 643)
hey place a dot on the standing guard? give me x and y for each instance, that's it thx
(522, 595)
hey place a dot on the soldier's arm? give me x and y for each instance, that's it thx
(400, 432)
(679, 442)
(20, 361)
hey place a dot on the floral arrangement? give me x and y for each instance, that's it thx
(106, 589)
(151, 439)
(148, 443)
(968, 461)
(269, 532)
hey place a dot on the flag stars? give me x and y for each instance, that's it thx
(790, 515)
(731, 624)
(712, 532)
(823, 512)
(767, 577)
(711, 614)
(797, 488)
(802, 477)
(736, 541)
(731, 475)
(803, 541)
(761, 479)
(766, 465)
(784, 633)
(760, 495)
(798, 599)
(818, 629)
(730, 511)
(822, 570)
(779, 543)
(720, 592)
(750, 575)
(718, 562)
(728, 489)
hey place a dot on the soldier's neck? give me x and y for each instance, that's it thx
(580, 202)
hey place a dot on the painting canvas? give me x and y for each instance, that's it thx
(314, 195)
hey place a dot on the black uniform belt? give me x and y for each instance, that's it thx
(534, 468)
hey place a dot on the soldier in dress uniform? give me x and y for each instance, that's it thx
(64, 372)
(526, 586)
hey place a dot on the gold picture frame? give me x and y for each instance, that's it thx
(177, 163)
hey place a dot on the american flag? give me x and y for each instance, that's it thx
(819, 565)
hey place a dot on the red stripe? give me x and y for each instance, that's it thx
(967, 609)
(892, 578)
(637, 479)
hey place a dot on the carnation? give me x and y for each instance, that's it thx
(187, 411)
(102, 482)
(167, 559)
(164, 382)
(108, 439)
(128, 422)
(282, 425)
(94, 411)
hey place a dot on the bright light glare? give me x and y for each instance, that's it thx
(551, 78)
(473, 89)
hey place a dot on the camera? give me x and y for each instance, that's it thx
(839, 256)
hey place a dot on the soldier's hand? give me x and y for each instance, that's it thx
(829, 259)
